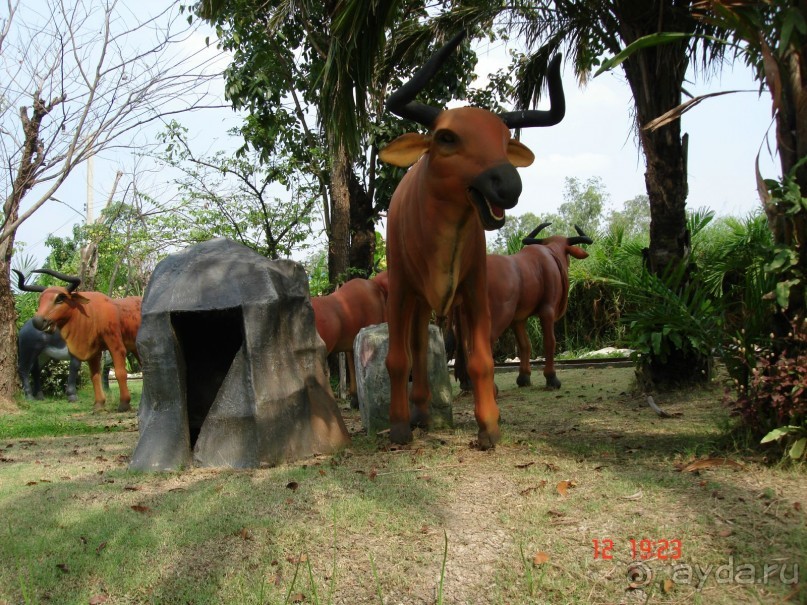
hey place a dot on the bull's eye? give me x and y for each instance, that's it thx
(60, 298)
(445, 137)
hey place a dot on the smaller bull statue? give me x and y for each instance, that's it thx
(357, 304)
(90, 322)
(34, 349)
(533, 281)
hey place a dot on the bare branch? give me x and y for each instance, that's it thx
(100, 76)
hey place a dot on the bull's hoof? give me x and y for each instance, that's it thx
(354, 402)
(400, 433)
(124, 407)
(488, 439)
(523, 380)
(72, 398)
(99, 407)
(466, 386)
(421, 420)
(552, 382)
(40, 396)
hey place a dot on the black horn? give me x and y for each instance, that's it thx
(557, 103)
(582, 239)
(531, 239)
(402, 101)
(70, 279)
(22, 286)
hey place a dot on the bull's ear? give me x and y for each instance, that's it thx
(406, 149)
(76, 297)
(519, 154)
(577, 252)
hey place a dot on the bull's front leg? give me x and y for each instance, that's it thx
(95, 376)
(480, 369)
(351, 374)
(119, 363)
(524, 353)
(399, 321)
(420, 395)
(72, 379)
(548, 328)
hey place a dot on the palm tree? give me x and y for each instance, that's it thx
(772, 38)
(587, 29)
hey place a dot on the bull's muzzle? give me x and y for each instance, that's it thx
(42, 324)
(494, 191)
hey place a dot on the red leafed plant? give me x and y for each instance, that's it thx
(775, 401)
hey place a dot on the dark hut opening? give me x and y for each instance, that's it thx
(208, 341)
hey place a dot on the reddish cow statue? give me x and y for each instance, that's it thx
(90, 322)
(464, 177)
(357, 304)
(534, 281)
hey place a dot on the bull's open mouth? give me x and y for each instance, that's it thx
(492, 216)
(44, 325)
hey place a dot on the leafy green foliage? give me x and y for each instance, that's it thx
(226, 196)
(54, 378)
(634, 218)
(673, 316)
(797, 436)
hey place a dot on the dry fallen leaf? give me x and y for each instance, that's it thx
(525, 465)
(668, 585)
(528, 490)
(63, 567)
(563, 486)
(725, 533)
(292, 485)
(298, 598)
(139, 508)
(637, 496)
(540, 558)
(98, 599)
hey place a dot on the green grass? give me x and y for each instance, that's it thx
(435, 522)
(57, 416)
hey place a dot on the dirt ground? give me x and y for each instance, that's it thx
(590, 462)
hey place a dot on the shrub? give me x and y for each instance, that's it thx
(776, 394)
(54, 378)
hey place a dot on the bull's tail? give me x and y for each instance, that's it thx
(460, 351)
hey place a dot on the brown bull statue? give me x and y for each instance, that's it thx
(533, 281)
(90, 322)
(339, 316)
(462, 180)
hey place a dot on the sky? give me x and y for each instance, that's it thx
(595, 139)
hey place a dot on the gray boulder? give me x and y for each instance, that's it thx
(372, 379)
(233, 368)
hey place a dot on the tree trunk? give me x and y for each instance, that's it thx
(339, 235)
(789, 228)
(31, 157)
(362, 229)
(655, 76)
(8, 332)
